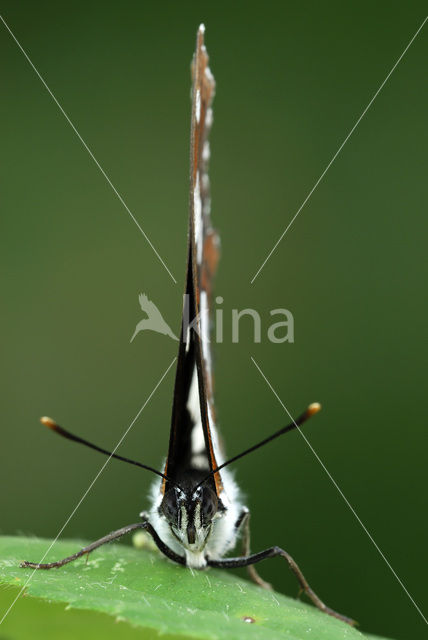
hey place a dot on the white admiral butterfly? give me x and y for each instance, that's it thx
(197, 515)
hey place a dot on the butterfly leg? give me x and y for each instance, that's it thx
(272, 552)
(163, 548)
(243, 524)
(114, 535)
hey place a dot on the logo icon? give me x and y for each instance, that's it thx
(154, 321)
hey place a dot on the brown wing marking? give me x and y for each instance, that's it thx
(205, 245)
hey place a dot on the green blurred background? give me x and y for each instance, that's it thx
(292, 79)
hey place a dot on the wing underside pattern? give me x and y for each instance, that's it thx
(193, 440)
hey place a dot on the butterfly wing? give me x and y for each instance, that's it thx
(193, 438)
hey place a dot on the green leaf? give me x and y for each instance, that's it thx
(144, 589)
(35, 619)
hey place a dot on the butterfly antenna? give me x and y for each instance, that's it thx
(310, 411)
(53, 426)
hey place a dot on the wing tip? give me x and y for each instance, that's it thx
(200, 42)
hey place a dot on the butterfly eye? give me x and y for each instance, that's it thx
(169, 507)
(209, 506)
(208, 511)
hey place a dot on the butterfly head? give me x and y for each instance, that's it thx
(190, 514)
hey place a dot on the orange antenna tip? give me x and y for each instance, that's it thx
(313, 408)
(48, 422)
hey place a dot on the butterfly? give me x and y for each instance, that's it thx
(197, 514)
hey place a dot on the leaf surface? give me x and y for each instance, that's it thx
(147, 591)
